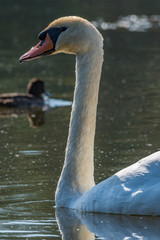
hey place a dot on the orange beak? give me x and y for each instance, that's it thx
(44, 47)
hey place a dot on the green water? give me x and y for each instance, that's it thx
(127, 121)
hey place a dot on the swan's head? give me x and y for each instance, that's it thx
(73, 35)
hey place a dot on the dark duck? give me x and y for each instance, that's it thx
(34, 96)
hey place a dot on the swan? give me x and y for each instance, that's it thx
(134, 190)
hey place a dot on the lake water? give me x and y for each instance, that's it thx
(128, 120)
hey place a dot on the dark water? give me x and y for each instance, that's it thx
(128, 126)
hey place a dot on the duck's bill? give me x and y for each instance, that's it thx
(44, 47)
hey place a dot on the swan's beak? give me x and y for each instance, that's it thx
(44, 47)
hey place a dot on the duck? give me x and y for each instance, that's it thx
(134, 190)
(33, 97)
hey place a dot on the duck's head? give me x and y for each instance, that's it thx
(72, 34)
(36, 88)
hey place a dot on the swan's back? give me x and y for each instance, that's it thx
(133, 190)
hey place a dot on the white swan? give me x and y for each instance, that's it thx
(133, 190)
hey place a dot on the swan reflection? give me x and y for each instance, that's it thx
(86, 226)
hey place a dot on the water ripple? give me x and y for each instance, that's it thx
(31, 152)
(27, 228)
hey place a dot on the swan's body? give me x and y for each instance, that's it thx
(134, 190)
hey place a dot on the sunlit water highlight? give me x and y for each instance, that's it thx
(133, 23)
(32, 152)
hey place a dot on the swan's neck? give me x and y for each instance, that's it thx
(78, 172)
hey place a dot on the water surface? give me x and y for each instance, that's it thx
(127, 121)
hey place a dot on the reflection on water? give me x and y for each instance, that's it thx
(127, 122)
(76, 225)
(58, 103)
(35, 115)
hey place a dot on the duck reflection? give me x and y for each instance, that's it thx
(85, 226)
(35, 116)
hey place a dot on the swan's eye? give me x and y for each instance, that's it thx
(42, 35)
(53, 33)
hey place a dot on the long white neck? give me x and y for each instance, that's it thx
(78, 172)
